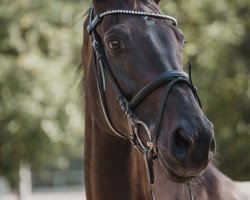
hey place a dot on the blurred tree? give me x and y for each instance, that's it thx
(40, 120)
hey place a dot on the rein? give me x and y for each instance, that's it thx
(148, 150)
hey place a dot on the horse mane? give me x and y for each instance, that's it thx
(79, 75)
(78, 80)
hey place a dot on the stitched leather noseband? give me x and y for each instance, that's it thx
(148, 150)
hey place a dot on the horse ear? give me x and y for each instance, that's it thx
(157, 1)
(100, 1)
(100, 5)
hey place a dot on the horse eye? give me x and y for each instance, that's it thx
(114, 45)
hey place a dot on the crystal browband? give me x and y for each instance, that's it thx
(99, 17)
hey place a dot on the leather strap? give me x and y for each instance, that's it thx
(158, 81)
(162, 105)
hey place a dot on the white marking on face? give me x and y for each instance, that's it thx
(149, 20)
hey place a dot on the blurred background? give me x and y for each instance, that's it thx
(41, 104)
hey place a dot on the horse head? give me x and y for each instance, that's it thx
(138, 49)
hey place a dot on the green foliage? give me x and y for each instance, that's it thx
(40, 120)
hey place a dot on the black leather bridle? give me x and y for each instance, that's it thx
(148, 150)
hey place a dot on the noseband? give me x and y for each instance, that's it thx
(148, 150)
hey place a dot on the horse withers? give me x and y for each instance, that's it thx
(146, 136)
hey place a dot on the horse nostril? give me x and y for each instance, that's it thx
(182, 144)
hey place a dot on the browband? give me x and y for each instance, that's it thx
(98, 18)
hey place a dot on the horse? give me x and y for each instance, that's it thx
(146, 136)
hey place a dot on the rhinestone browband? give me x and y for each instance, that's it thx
(99, 17)
(134, 12)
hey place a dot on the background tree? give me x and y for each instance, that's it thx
(40, 120)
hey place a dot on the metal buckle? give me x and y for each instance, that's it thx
(148, 159)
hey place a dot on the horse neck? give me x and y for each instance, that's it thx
(113, 169)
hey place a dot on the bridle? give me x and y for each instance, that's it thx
(148, 150)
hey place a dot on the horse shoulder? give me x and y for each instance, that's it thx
(220, 187)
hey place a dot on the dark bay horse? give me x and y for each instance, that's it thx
(146, 136)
